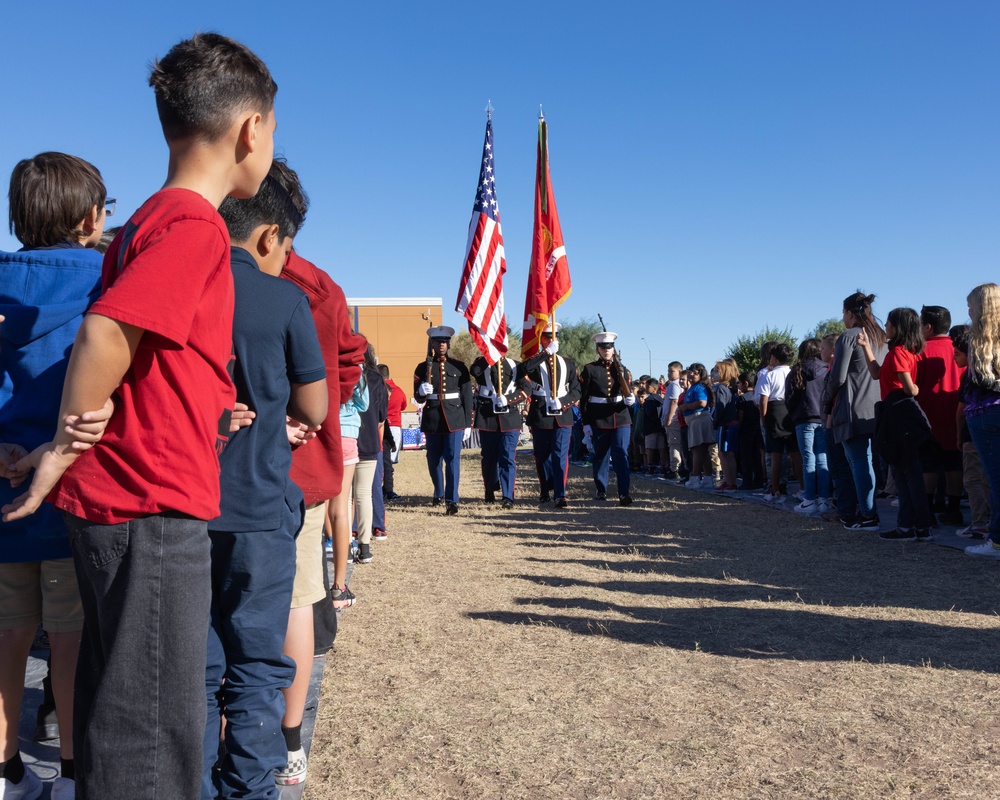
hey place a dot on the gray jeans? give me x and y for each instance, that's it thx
(139, 713)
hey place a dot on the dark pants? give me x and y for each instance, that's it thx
(914, 510)
(751, 460)
(378, 501)
(388, 469)
(499, 449)
(252, 577)
(551, 450)
(139, 711)
(985, 431)
(446, 449)
(845, 496)
(611, 444)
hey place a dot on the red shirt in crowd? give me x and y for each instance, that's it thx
(318, 466)
(938, 378)
(897, 360)
(397, 404)
(168, 273)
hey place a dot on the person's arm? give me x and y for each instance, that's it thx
(873, 366)
(910, 389)
(308, 402)
(101, 355)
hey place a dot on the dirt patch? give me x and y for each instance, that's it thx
(686, 646)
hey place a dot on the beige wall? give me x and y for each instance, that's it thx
(399, 335)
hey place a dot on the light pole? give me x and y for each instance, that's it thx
(650, 352)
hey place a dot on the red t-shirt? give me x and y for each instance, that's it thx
(318, 466)
(167, 272)
(899, 359)
(938, 378)
(397, 403)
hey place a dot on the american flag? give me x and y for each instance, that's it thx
(480, 294)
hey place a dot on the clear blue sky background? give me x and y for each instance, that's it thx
(718, 167)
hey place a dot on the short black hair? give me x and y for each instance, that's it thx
(960, 338)
(749, 378)
(938, 317)
(204, 82)
(783, 353)
(279, 201)
(49, 195)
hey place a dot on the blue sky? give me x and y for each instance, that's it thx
(718, 167)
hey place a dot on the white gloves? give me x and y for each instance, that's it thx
(553, 405)
(499, 401)
(467, 436)
(588, 431)
(630, 400)
(426, 389)
(553, 347)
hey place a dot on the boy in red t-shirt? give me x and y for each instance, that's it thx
(160, 341)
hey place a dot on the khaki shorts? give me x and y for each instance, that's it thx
(655, 441)
(40, 592)
(308, 587)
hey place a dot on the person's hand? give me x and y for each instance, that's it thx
(863, 340)
(500, 401)
(242, 417)
(87, 429)
(588, 431)
(553, 347)
(10, 455)
(553, 405)
(426, 389)
(298, 432)
(629, 399)
(50, 462)
(467, 436)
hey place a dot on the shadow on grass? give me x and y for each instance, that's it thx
(767, 633)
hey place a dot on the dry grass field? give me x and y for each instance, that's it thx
(684, 647)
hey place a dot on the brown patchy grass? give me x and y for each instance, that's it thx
(687, 646)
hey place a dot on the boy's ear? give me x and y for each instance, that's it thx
(267, 240)
(249, 131)
(89, 223)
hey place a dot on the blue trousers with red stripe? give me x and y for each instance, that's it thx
(612, 443)
(499, 448)
(551, 448)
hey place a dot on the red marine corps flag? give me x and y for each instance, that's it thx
(548, 277)
(480, 294)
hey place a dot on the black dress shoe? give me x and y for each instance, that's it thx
(491, 497)
(562, 502)
(543, 498)
(601, 497)
(436, 501)
(625, 500)
(451, 509)
(507, 503)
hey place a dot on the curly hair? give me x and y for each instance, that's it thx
(984, 337)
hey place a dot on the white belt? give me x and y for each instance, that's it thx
(447, 396)
(594, 399)
(488, 393)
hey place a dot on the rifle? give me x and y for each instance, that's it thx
(616, 360)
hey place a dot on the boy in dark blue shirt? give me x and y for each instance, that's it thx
(279, 370)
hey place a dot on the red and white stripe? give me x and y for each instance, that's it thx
(480, 297)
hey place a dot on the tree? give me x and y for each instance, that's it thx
(832, 325)
(576, 342)
(464, 349)
(746, 349)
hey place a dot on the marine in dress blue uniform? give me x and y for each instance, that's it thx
(604, 404)
(498, 419)
(555, 388)
(444, 386)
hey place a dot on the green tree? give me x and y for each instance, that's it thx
(832, 325)
(464, 348)
(746, 349)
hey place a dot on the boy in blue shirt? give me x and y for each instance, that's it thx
(279, 370)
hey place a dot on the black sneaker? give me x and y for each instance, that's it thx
(863, 524)
(897, 535)
(506, 503)
(342, 597)
(625, 500)
(562, 502)
(922, 534)
(452, 509)
(600, 497)
(364, 554)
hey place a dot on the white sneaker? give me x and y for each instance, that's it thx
(806, 507)
(800, 494)
(295, 771)
(989, 549)
(63, 789)
(823, 504)
(708, 482)
(30, 787)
